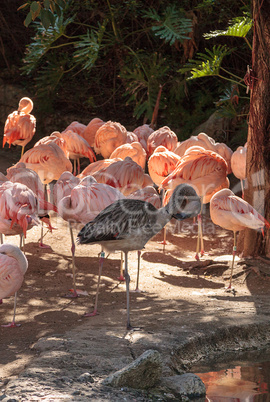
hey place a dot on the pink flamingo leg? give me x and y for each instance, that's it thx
(13, 324)
(74, 290)
(234, 254)
(95, 312)
(164, 229)
(199, 237)
(41, 244)
(138, 272)
(121, 276)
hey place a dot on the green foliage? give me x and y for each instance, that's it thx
(239, 27)
(112, 57)
(208, 63)
(43, 43)
(143, 82)
(44, 10)
(172, 25)
(88, 48)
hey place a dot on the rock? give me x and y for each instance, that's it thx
(215, 127)
(185, 386)
(85, 377)
(49, 343)
(143, 373)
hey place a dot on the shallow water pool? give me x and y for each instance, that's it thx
(245, 377)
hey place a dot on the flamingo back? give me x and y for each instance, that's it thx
(134, 150)
(108, 137)
(163, 136)
(90, 130)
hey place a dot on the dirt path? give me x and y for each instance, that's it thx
(58, 354)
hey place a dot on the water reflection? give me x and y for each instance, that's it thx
(245, 381)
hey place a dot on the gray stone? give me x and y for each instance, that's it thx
(185, 386)
(216, 127)
(85, 377)
(143, 373)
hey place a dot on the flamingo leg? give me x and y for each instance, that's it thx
(233, 258)
(79, 166)
(74, 166)
(121, 277)
(13, 324)
(1, 238)
(127, 278)
(74, 290)
(242, 187)
(22, 151)
(22, 243)
(41, 244)
(101, 260)
(164, 229)
(199, 236)
(138, 271)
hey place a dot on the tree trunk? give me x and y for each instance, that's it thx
(258, 154)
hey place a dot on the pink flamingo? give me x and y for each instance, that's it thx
(108, 137)
(143, 133)
(163, 136)
(132, 137)
(53, 137)
(13, 266)
(20, 125)
(90, 130)
(203, 140)
(77, 147)
(18, 209)
(126, 175)
(84, 202)
(76, 127)
(63, 186)
(238, 164)
(28, 177)
(96, 166)
(134, 150)
(161, 163)
(205, 171)
(48, 161)
(233, 213)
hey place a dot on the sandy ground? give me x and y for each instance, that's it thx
(60, 354)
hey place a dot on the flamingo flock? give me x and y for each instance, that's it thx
(134, 184)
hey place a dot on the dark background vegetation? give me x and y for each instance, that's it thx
(135, 54)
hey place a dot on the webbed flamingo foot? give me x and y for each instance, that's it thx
(93, 314)
(11, 325)
(121, 278)
(43, 245)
